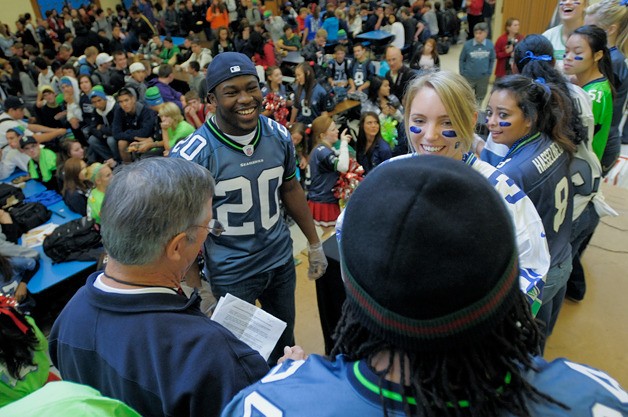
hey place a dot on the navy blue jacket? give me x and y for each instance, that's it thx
(156, 352)
(127, 126)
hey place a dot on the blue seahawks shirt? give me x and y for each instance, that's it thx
(339, 71)
(307, 114)
(321, 388)
(362, 72)
(246, 199)
(283, 92)
(323, 175)
(540, 168)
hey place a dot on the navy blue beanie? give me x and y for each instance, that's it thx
(227, 65)
(428, 254)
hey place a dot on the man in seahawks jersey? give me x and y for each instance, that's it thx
(429, 326)
(253, 162)
(361, 71)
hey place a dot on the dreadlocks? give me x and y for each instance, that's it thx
(479, 380)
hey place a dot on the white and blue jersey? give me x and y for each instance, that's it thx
(540, 167)
(362, 72)
(308, 112)
(534, 255)
(246, 200)
(321, 388)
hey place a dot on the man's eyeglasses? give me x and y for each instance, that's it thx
(214, 227)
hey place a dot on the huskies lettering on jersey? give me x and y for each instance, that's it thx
(547, 158)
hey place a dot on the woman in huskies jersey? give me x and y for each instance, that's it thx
(531, 118)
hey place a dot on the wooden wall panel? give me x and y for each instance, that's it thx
(534, 15)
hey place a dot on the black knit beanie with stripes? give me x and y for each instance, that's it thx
(428, 254)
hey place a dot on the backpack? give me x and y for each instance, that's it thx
(28, 216)
(450, 24)
(7, 191)
(442, 46)
(72, 241)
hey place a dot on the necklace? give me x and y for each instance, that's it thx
(135, 284)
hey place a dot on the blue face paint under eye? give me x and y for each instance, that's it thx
(415, 129)
(486, 120)
(505, 124)
(449, 133)
(578, 58)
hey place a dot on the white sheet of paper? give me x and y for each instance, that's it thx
(249, 323)
(36, 236)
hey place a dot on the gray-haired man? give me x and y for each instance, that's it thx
(129, 332)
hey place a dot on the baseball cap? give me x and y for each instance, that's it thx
(342, 34)
(26, 140)
(227, 65)
(153, 97)
(288, 4)
(431, 288)
(267, 14)
(136, 66)
(44, 88)
(13, 102)
(103, 58)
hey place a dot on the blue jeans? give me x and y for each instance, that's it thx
(104, 149)
(553, 296)
(275, 291)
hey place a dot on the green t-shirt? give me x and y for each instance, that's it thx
(94, 204)
(32, 377)
(183, 130)
(166, 54)
(293, 41)
(602, 98)
(47, 165)
(62, 398)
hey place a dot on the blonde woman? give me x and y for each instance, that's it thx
(173, 126)
(440, 116)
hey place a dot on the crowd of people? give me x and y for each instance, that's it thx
(194, 120)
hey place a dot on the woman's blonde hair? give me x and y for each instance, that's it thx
(457, 97)
(611, 12)
(92, 171)
(171, 110)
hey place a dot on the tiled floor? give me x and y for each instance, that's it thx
(594, 331)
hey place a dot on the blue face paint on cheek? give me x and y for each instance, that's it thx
(578, 58)
(505, 124)
(449, 133)
(415, 129)
(486, 120)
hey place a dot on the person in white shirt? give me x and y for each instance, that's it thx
(199, 54)
(11, 156)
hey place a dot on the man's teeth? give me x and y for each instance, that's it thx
(246, 112)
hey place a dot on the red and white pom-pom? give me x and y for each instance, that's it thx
(348, 181)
